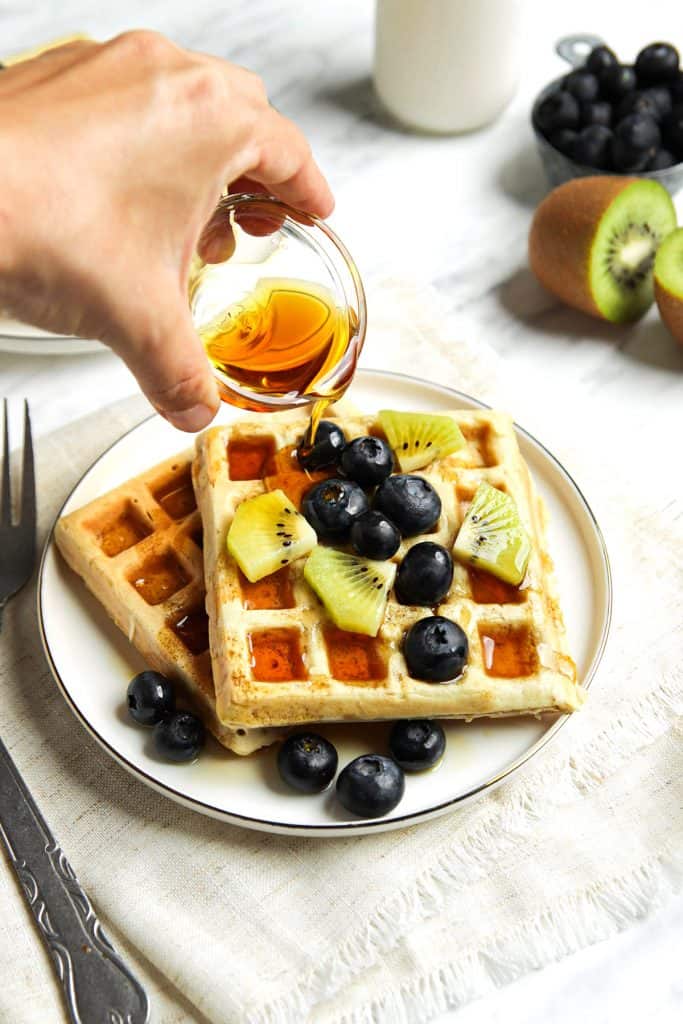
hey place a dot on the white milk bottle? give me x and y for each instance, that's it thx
(447, 65)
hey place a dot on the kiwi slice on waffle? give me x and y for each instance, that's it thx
(354, 590)
(492, 537)
(266, 533)
(418, 438)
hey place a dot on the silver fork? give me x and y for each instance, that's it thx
(98, 987)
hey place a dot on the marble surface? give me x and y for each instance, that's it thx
(454, 212)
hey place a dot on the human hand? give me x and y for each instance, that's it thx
(114, 156)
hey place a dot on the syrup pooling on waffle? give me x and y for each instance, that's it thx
(280, 662)
(138, 549)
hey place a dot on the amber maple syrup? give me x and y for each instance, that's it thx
(285, 341)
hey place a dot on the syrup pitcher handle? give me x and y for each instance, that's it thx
(575, 49)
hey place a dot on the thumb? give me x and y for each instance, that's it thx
(163, 351)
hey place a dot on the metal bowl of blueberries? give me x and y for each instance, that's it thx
(605, 117)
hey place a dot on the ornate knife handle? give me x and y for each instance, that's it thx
(98, 987)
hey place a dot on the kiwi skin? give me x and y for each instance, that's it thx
(670, 303)
(562, 235)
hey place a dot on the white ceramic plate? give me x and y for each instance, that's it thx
(92, 661)
(22, 339)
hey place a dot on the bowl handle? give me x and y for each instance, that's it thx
(575, 49)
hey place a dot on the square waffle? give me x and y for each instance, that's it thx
(138, 549)
(279, 661)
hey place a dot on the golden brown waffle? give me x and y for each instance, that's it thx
(282, 663)
(138, 549)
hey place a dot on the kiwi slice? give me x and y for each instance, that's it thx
(669, 283)
(593, 243)
(418, 438)
(266, 533)
(354, 590)
(492, 537)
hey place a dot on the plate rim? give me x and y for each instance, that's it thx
(365, 825)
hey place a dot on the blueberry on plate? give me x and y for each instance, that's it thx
(179, 737)
(367, 460)
(617, 80)
(410, 502)
(375, 536)
(581, 84)
(435, 649)
(657, 62)
(593, 147)
(307, 762)
(150, 698)
(371, 786)
(417, 744)
(425, 575)
(559, 110)
(332, 506)
(325, 450)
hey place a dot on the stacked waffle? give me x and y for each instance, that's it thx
(269, 658)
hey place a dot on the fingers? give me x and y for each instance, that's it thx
(32, 70)
(169, 362)
(286, 167)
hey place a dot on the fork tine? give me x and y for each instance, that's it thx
(6, 493)
(28, 479)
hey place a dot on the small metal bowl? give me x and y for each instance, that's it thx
(560, 168)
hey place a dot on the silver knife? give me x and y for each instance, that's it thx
(98, 987)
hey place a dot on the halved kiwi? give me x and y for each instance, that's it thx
(492, 537)
(669, 283)
(354, 590)
(418, 438)
(266, 533)
(593, 243)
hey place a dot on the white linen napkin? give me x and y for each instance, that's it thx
(227, 925)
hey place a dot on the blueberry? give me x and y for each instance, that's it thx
(657, 62)
(150, 698)
(593, 147)
(635, 140)
(331, 507)
(326, 449)
(676, 89)
(662, 98)
(661, 160)
(564, 140)
(599, 58)
(617, 80)
(581, 84)
(425, 575)
(307, 762)
(371, 786)
(179, 737)
(435, 650)
(410, 502)
(639, 103)
(638, 132)
(417, 744)
(375, 536)
(559, 110)
(367, 460)
(673, 131)
(596, 112)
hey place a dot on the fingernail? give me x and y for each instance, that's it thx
(191, 420)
